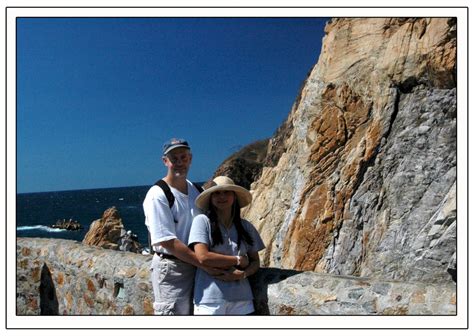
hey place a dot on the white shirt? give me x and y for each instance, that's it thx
(164, 223)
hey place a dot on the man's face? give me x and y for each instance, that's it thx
(178, 161)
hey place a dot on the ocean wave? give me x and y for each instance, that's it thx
(39, 227)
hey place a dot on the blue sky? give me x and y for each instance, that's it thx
(97, 97)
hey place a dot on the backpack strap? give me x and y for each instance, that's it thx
(198, 187)
(170, 197)
(166, 189)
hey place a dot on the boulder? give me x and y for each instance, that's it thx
(106, 231)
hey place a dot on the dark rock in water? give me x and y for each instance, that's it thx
(71, 225)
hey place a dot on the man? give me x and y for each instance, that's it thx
(125, 241)
(174, 264)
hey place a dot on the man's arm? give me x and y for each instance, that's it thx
(218, 260)
(184, 253)
(236, 274)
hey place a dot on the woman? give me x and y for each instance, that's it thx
(221, 239)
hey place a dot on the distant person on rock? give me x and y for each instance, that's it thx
(126, 241)
(169, 208)
(222, 239)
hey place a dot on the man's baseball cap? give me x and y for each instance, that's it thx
(173, 144)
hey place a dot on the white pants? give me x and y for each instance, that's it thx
(225, 308)
(172, 282)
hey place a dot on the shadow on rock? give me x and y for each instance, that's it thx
(260, 282)
(48, 299)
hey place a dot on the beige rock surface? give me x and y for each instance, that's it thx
(375, 78)
(106, 231)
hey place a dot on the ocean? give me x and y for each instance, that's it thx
(36, 212)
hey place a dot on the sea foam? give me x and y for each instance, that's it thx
(39, 227)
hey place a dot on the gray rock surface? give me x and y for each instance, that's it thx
(407, 197)
(366, 182)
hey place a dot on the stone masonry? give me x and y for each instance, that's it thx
(65, 277)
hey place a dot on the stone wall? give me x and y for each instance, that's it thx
(65, 277)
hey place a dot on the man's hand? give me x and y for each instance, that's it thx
(232, 274)
(212, 270)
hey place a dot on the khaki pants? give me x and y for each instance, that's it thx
(173, 282)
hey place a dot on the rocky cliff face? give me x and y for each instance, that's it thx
(366, 183)
(244, 166)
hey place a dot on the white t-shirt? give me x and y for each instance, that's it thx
(164, 223)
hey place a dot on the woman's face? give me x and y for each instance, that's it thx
(223, 199)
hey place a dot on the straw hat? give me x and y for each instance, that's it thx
(222, 183)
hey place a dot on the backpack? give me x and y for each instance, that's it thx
(170, 197)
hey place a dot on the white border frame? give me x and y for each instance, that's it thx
(266, 322)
